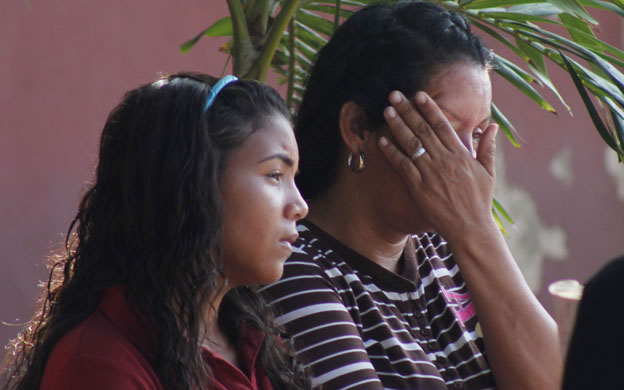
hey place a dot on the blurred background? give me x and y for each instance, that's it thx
(66, 64)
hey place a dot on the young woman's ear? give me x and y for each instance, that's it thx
(353, 126)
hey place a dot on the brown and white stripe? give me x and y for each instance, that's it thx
(360, 326)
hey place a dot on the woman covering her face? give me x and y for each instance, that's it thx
(400, 278)
(193, 199)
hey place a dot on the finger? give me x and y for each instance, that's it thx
(438, 122)
(400, 162)
(405, 138)
(487, 148)
(416, 122)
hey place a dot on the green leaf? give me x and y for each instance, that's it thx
(332, 3)
(613, 106)
(510, 74)
(556, 41)
(315, 22)
(505, 125)
(573, 7)
(536, 9)
(305, 50)
(311, 38)
(536, 58)
(329, 10)
(545, 79)
(617, 117)
(500, 209)
(604, 5)
(280, 59)
(502, 61)
(499, 223)
(565, 44)
(481, 4)
(519, 17)
(337, 16)
(616, 76)
(608, 88)
(220, 28)
(618, 122)
(538, 67)
(499, 37)
(593, 113)
(580, 31)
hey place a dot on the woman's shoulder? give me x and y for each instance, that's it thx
(97, 350)
(604, 288)
(611, 273)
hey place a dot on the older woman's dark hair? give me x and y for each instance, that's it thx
(152, 222)
(377, 50)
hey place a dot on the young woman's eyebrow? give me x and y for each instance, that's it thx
(287, 160)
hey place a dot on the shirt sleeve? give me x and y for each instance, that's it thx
(324, 334)
(94, 373)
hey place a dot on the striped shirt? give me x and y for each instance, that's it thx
(360, 326)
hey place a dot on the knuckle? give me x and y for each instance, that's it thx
(422, 130)
(412, 145)
(443, 127)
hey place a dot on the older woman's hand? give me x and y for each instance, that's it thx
(453, 189)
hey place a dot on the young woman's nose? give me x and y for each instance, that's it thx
(297, 207)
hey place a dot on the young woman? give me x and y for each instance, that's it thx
(194, 198)
(400, 278)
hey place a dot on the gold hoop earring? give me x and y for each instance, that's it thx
(356, 166)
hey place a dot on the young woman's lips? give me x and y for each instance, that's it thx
(289, 240)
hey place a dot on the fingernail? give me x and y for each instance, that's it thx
(395, 97)
(390, 112)
(421, 98)
(383, 141)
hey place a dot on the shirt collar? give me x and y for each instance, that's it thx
(130, 321)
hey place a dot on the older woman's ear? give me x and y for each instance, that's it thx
(353, 126)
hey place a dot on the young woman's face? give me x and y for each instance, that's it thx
(261, 204)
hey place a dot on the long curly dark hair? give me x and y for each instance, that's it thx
(152, 222)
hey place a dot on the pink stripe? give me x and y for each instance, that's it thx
(461, 304)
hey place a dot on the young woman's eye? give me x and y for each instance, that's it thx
(276, 176)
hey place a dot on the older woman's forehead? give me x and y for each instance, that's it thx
(462, 90)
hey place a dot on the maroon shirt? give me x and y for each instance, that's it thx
(112, 349)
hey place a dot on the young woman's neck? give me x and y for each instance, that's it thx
(213, 337)
(348, 217)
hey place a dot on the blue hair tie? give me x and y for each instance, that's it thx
(214, 91)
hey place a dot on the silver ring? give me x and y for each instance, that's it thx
(419, 152)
